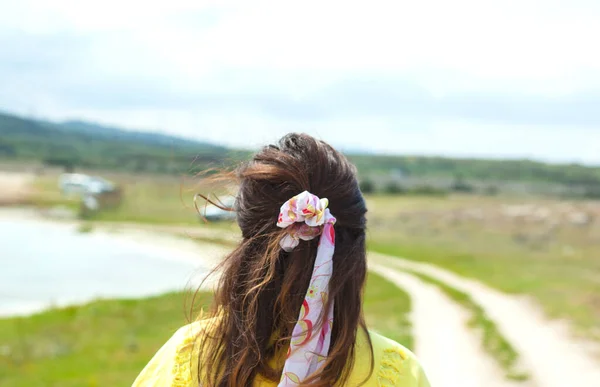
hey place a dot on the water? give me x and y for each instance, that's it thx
(45, 264)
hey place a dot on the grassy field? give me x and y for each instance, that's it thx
(547, 249)
(544, 248)
(107, 343)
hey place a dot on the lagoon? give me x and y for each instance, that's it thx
(45, 264)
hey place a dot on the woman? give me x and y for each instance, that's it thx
(288, 308)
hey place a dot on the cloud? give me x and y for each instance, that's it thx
(386, 76)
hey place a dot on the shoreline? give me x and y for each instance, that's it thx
(168, 247)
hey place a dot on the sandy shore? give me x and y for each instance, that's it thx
(180, 242)
(15, 187)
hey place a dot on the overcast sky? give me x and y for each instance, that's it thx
(462, 78)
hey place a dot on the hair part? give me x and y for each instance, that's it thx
(262, 287)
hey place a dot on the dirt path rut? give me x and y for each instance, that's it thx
(450, 353)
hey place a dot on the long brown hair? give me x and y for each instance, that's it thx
(262, 287)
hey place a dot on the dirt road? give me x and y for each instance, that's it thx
(549, 353)
(450, 353)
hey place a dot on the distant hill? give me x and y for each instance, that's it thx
(76, 143)
(83, 144)
(116, 134)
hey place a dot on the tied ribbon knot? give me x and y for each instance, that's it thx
(304, 217)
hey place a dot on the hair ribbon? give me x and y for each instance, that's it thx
(304, 217)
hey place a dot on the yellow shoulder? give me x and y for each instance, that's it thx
(393, 364)
(176, 363)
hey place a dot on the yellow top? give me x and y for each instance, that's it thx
(175, 364)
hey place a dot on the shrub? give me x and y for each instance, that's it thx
(394, 188)
(367, 186)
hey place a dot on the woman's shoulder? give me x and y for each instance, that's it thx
(176, 362)
(393, 364)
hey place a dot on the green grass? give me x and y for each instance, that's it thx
(85, 228)
(493, 341)
(45, 193)
(386, 310)
(107, 343)
(104, 343)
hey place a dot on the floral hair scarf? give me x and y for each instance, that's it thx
(305, 216)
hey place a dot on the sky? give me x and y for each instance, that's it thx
(464, 78)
